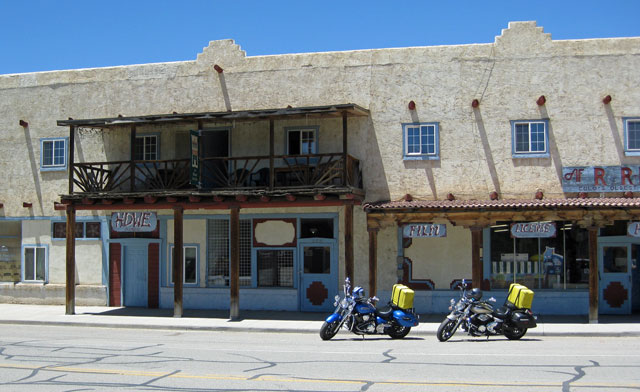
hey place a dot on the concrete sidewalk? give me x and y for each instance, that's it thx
(271, 321)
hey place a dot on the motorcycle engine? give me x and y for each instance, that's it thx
(482, 324)
(364, 323)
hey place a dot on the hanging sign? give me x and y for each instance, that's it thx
(533, 230)
(194, 166)
(424, 230)
(137, 222)
(600, 178)
(633, 229)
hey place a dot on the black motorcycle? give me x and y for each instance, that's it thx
(479, 318)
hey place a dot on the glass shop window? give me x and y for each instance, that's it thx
(316, 228)
(558, 263)
(10, 242)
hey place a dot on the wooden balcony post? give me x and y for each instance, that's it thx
(178, 244)
(271, 152)
(70, 299)
(132, 167)
(72, 138)
(348, 242)
(344, 148)
(593, 275)
(234, 268)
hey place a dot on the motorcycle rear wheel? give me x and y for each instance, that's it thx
(514, 333)
(398, 331)
(446, 330)
(329, 330)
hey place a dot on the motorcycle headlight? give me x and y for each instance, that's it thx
(344, 303)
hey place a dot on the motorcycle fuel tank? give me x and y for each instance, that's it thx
(481, 308)
(364, 309)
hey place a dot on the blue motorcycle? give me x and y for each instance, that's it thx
(358, 314)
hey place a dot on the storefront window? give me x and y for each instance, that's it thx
(560, 262)
(10, 251)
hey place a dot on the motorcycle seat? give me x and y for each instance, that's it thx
(502, 312)
(386, 314)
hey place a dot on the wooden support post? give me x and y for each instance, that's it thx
(344, 149)
(348, 242)
(178, 244)
(72, 138)
(132, 167)
(373, 260)
(234, 268)
(272, 172)
(71, 261)
(476, 262)
(593, 275)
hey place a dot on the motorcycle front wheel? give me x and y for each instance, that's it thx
(446, 330)
(329, 330)
(398, 331)
(514, 333)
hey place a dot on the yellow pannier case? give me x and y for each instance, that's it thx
(402, 296)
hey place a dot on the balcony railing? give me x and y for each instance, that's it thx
(315, 171)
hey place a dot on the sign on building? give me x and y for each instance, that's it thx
(424, 230)
(138, 222)
(600, 178)
(533, 230)
(633, 229)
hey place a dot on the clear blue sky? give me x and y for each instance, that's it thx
(38, 35)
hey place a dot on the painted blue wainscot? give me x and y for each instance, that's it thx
(218, 298)
(547, 302)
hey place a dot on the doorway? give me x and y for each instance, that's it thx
(617, 272)
(214, 154)
(318, 277)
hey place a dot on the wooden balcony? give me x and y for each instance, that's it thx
(257, 175)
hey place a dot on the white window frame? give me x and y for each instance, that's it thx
(184, 265)
(628, 151)
(35, 247)
(141, 138)
(427, 128)
(544, 153)
(302, 130)
(55, 146)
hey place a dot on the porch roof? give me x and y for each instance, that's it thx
(506, 204)
(349, 109)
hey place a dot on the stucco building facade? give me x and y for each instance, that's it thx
(424, 165)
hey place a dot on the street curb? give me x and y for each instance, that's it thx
(219, 328)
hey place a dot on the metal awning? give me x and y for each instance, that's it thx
(349, 109)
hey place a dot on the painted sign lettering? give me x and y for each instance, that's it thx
(134, 221)
(633, 229)
(600, 178)
(424, 230)
(533, 230)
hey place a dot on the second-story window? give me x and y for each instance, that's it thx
(302, 141)
(53, 154)
(146, 148)
(421, 141)
(530, 139)
(631, 136)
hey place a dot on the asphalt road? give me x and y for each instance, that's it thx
(47, 358)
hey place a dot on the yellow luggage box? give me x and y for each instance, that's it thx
(402, 296)
(520, 296)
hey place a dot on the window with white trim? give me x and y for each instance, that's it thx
(302, 140)
(146, 148)
(34, 263)
(631, 136)
(530, 139)
(53, 154)
(421, 141)
(189, 265)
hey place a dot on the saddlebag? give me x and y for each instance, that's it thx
(523, 320)
(402, 296)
